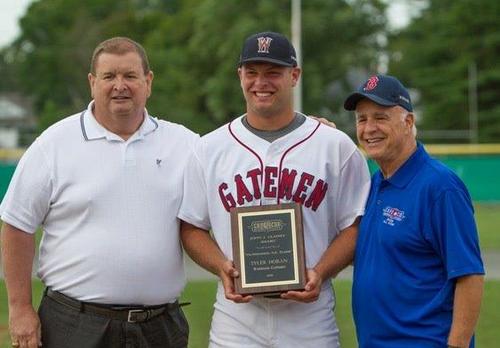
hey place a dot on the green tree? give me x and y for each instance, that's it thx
(202, 42)
(433, 55)
(193, 47)
(52, 54)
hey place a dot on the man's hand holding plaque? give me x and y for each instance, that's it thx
(311, 290)
(227, 275)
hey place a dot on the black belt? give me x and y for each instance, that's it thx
(132, 314)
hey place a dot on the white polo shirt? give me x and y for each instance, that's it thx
(107, 207)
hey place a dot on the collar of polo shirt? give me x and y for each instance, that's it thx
(92, 130)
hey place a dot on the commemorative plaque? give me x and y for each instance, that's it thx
(268, 248)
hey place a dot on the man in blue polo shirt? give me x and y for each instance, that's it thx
(418, 273)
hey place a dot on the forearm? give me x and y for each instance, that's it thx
(466, 306)
(202, 248)
(339, 254)
(18, 251)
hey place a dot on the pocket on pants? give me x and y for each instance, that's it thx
(58, 323)
(167, 330)
(64, 327)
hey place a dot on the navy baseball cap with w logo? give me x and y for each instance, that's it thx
(268, 47)
(384, 90)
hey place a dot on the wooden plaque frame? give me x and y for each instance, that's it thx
(268, 248)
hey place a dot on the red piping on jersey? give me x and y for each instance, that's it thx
(286, 152)
(252, 151)
(282, 157)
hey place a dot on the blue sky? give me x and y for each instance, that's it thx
(10, 12)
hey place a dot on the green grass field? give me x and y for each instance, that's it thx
(202, 294)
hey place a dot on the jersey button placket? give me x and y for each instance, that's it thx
(271, 333)
(272, 183)
(380, 192)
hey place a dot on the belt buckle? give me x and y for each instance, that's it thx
(132, 311)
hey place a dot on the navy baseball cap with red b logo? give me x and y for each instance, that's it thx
(384, 90)
(268, 47)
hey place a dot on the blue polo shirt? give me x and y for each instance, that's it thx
(417, 236)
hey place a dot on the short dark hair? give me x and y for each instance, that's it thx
(119, 45)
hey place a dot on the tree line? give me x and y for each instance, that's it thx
(194, 46)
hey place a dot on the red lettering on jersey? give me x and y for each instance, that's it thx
(270, 175)
(227, 199)
(242, 191)
(309, 191)
(317, 195)
(254, 175)
(286, 183)
(305, 182)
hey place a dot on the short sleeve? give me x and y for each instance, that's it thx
(454, 234)
(354, 186)
(194, 206)
(27, 200)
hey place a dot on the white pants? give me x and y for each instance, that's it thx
(274, 323)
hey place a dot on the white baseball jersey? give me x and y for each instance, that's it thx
(315, 165)
(108, 209)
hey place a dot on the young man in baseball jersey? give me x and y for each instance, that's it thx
(270, 155)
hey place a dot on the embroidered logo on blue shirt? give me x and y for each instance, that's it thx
(391, 215)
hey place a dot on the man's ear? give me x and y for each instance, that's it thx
(295, 75)
(91, 79)
(409, 122)
(149, 81)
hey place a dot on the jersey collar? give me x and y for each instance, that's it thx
(248, 137)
